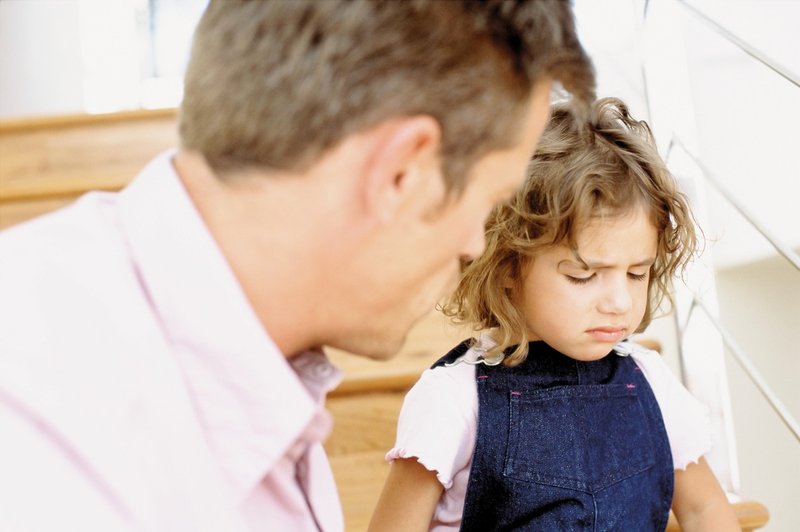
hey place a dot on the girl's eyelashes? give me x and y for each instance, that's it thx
(580, 280)
(584, 280)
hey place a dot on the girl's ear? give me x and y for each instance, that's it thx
(404, 166)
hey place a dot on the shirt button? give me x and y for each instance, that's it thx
(322, 370)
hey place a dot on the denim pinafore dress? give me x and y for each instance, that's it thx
(567, 445)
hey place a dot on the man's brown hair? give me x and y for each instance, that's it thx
(275, 84)
(602, 167)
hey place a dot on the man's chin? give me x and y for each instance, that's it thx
(377, 349)
(387, 351)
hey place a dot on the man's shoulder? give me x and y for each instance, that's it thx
(72, 309)
(84, 231)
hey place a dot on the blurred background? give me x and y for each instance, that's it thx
(718, 81)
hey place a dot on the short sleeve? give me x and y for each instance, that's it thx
(438, 420)
(685, 418)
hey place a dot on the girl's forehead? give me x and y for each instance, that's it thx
(606, 236)
(602, 219)
(603, 226)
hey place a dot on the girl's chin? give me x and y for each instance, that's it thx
(591, 355)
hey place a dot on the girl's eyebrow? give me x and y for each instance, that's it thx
(583, 265)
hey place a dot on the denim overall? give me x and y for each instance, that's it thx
(567, 445)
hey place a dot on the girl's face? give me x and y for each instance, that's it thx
(584, 312)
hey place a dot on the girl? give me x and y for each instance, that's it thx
(551, 419)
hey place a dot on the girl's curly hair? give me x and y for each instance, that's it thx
(605, 165)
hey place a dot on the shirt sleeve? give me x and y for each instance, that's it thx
(438, 421)
(685, 418)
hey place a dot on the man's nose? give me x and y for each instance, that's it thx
(475, 245)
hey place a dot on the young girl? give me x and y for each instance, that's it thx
(551, 419)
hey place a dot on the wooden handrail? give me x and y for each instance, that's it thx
(45, 189)
(389, 379)
(65, 156)
(35, 123)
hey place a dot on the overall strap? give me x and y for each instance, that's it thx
(454, 354)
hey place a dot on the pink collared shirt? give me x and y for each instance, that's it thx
(138, 390)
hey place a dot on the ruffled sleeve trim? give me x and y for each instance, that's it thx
(401, 452)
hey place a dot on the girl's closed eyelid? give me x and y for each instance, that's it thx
(580, 280)
(583, 280)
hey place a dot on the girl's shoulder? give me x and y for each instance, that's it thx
(649, 361)
(659, 375)
(438, 420)
(470, 351)
(444, 396)
(453, 374)
(457, 367)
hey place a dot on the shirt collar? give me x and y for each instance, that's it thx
(252, 403)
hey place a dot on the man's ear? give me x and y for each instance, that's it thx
(404, 165)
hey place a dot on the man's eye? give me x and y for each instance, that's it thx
(580, 280)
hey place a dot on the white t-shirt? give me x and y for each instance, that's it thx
(438, 424)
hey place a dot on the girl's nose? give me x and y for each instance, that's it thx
(616, 299)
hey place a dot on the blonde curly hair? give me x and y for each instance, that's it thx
(605, 165)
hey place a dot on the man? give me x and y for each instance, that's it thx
(160, 347)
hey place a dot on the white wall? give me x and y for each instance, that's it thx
(40, 58)
(92, 56)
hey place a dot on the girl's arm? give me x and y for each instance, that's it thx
(700, 503)
(408, 499)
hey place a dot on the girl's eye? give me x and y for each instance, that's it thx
(580, 280)
(635, 277)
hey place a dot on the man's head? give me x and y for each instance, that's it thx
(356, 147)
(276, 84)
